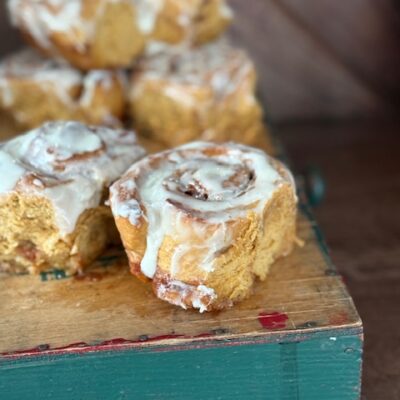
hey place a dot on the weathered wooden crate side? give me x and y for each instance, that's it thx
(321, 367)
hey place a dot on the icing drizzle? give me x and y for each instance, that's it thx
(68, 163)
(54, 75)
(43, 17)
(213, 184)
(218, 67)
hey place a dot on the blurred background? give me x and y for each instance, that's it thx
(329, 77)
(317, 59)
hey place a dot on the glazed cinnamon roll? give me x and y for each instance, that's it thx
(34, 89)
(112, 33)
(203, 221)
(203, 94)
(52, 190)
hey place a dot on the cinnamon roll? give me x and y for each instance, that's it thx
(112, 33)
(34, 89)
(206, 93)
(52, 190)
(201, 222)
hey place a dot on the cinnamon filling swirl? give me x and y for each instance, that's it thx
(212, 185)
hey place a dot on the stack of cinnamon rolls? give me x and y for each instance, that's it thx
(200, 222)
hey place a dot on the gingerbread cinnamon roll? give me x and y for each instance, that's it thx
(112, 33)
(201, 222)
(54, 181)
(203, 94)
(34, 89)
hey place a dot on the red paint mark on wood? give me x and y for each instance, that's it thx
(45, 348)
(203, 335)
(112, 344)
(33, 351)
(340, 318)
(274, 320)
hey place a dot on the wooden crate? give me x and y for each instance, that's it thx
(105, 335)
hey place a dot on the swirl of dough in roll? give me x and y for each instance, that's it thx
(203, 220)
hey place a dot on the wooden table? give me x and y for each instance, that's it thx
(361, 221)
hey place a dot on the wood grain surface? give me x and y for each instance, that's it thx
(301, 294)
(361, 220)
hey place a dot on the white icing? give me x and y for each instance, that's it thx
(54, 76)
(68, 140)
(194, 294)
(179, 94)
(184, 20)
(131, 210)
(225, 10)
(154, 47)
(93, 80)
(6, 93)
(203, 291)
(41, 18)
(214, 190)
(29, 65)
(38, 182)
(217, 67)
(71, 198)
(71, 164)
(147, 13)
(10, 171)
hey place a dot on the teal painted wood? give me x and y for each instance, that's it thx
(322, 368)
